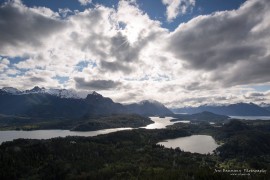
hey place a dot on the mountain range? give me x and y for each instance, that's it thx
(62, 103)
(239, 109)
(62, 93)
(146, 106)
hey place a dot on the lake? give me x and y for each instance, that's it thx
(202, 144)
(47, 134)
(251, 117)
(159, 123)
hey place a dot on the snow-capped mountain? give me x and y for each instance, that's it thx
(11, 90)
(263, 104)
(62, 93)
(42, 102)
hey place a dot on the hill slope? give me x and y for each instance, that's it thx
(57, 103)
(149, 108)
(239, 109)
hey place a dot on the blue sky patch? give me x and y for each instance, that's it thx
(154, 8)
(61, 79)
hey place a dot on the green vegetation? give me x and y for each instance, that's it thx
(83, 124)
(115, 121)
(245, 144)
(201, 117)
(134, 154)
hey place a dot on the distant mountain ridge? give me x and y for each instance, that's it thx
(239, 109)
(202, 116)
(146, 106)
(265, 106)
(62, 103)
(62, 93)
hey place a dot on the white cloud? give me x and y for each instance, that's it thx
(176, 7)
(4, 62)
(64, 12)
(25, 30)
(231, 46)
(130, 57)
(85, 2)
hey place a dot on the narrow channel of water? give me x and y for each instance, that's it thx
(196, 143)
(251, 117)
(159, 123)
(48, 134)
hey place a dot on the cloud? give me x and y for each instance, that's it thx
(37, 79)
(245, 72)
(85, 2)
(191, 86)
(255, 96)
(231, 46)
(24, 28)
(130, 57)
(122, 49)
(4, 63)
(64, 12)
(176, 7)
(81, 83)
(115, 67)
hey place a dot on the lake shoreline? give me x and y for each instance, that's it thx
(9, 135)
(196, 143)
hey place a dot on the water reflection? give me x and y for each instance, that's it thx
(251, 117)
(202, 144)
(159, 123)
(47, 134)
(186, 122)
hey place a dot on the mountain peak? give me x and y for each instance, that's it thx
(94, 96)
(94, 103)
(149, 107)
(11, 90)
(150, 101)
(95, 93)
(263, 104)
(37, 89)
(62, 93)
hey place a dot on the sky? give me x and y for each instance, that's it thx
(178, 52)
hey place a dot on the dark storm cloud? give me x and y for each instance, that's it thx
(115, 66)
(253, 71)
(217, 39)
(233, 45)
(129, 96)
(168, 88)
(37, 79)
(125, 54)
(21, 27)
(115, 52)
(195, 86)
(122, 50)
(256, 96)
(81, 83)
